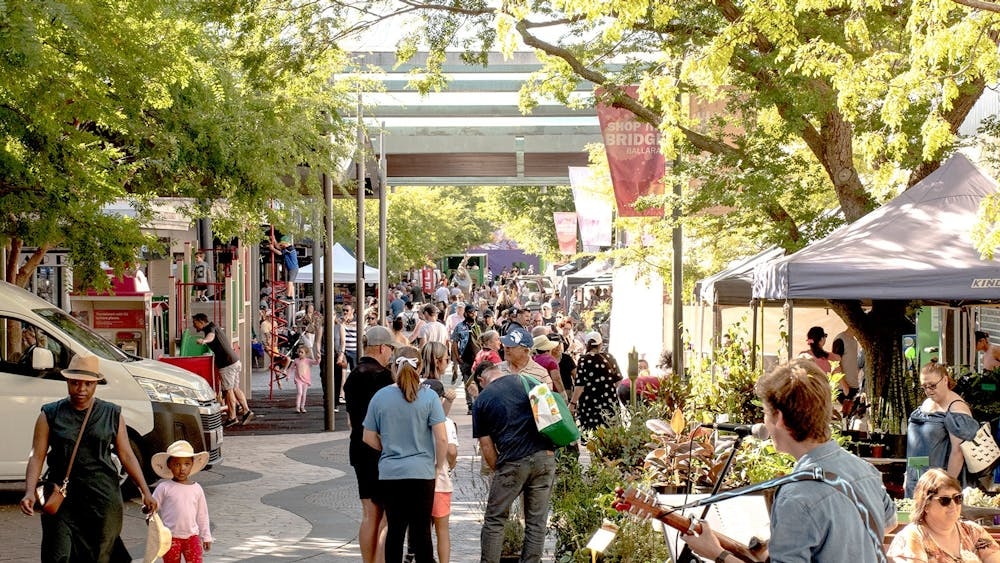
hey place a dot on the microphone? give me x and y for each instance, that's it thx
(758, 431)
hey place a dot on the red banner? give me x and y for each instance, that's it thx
(566, 231)
(634, 156)
(427, 280)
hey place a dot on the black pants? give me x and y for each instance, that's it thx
(408, 505)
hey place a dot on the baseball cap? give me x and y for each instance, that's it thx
(542, 343)
(470, 308)
(487, 312)
(378, 336)
(517, 337)
(594, 337)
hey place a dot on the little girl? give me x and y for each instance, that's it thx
(182, 502)
(302, 370)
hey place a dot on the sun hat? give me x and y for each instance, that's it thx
(84, 367)
(158, 539)
(542, 343)
(594, 337)
(378, 336)
(517, 337)
(180, 448)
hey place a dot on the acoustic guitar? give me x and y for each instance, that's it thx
(643, 505)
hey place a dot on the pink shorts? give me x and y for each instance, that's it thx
(442, 505)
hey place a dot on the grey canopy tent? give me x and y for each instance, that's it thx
(917, 246)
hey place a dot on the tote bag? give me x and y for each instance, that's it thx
(552, 416)
(981, 452)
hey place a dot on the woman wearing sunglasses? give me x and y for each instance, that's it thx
(936, 534)
(937, 427)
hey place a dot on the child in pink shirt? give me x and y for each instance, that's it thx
(301, 369)
(182, 502)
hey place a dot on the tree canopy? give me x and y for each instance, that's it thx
(128, 100)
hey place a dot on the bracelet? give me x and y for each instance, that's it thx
(723, 556)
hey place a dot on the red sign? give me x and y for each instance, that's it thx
(427, 279)
(565, 231)
(129, 318)
(634, 157)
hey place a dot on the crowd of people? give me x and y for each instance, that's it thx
(400, 391)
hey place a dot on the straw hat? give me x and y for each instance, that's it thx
(180, 448)
(542, 343)
(158, 539)
(84, 367)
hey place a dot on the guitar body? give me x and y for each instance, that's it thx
(644, 505)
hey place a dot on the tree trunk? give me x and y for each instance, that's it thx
(880, 329)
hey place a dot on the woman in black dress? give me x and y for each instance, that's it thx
(89, 522)
(597, 378)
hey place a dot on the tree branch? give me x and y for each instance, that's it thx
(979, 5)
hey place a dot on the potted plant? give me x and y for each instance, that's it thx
(513, 540)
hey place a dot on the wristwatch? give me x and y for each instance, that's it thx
(722, 556)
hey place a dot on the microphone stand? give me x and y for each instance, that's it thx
(686, 555)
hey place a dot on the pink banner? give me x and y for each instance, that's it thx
(593, 210)
(566, 231)
(634, 156)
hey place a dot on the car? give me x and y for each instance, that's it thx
(161, 403)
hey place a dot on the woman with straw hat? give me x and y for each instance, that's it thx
(88, 523)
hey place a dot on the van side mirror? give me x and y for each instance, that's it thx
(42, 359)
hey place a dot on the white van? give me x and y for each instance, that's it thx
(161, 403)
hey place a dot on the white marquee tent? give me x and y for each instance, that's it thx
(344, 268)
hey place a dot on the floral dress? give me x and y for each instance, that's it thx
(599, 376)
(912, 544)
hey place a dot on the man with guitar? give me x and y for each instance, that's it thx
(813, 520)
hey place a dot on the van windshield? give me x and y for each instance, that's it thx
(83, 334)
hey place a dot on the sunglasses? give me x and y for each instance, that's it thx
(946, 501)
(931, 387)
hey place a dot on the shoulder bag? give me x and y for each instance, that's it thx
(50, 495)
(981, 452)
(552, 416)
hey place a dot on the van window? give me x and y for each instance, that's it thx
(20, 338)
(83, 334)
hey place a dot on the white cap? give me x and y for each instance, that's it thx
(594, 337)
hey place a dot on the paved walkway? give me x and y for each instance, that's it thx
(284, 492)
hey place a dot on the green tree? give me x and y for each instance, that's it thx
(822, 102)
(524, 214)
(127, 100)
(424, 223)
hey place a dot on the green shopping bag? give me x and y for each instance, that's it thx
(552, 416)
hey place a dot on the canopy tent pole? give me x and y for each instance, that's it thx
(753, 339)
(789, 314)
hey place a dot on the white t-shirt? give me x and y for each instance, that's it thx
(441, 294)
(434, 332)
(442, 484)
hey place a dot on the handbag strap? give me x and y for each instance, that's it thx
(79, 437)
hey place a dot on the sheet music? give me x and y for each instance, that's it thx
(740, 518)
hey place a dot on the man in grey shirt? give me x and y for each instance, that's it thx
(813, 520)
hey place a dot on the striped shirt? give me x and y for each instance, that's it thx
(351, 337)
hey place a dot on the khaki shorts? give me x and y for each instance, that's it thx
(230, 376)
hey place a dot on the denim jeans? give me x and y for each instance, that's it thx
(532, 475)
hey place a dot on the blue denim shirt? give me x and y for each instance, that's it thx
(813, 521)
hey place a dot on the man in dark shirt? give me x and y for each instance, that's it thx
(229, 366)
(524, 461)
(369, 376)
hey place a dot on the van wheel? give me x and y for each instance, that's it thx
(129, 490)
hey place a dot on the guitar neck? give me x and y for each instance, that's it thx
(683, 523)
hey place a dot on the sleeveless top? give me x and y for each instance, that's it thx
(94, 454)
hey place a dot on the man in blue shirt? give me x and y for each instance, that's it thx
(813, 520)
(524, 462)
